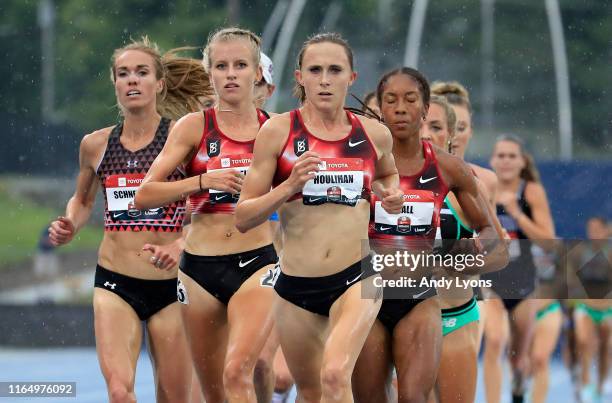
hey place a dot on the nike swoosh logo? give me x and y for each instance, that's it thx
(421, 180)
(314, 199)
(349, 282)
(241, 264)
(117, 215)
(417, 296)
(217, 198)
(351, 144)
(384, 228)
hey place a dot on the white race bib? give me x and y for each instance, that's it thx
(239, 162)
(120, 192)
(415, 218)
(339, 181)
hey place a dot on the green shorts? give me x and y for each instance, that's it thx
(597, 315)
(553, 307)
(456, 318)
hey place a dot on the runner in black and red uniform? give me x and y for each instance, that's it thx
(128, 289)
(323, 163)
(408, 331)
(225, 276)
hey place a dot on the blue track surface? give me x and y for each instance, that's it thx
(80, 365)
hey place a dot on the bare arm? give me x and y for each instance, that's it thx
(386, 180)
(478, 212)
(489, 180)
(80, 205)
(482, 188)
(183, 140)
(257, 202)
(541, 226)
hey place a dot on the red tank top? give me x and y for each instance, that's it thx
(121, 171)
(219, 152)
(424, 195)
(347, 169)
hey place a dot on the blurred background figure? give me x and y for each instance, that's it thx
(264, 88)
(591, 269)
(45, 265)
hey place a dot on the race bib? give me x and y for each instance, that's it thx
(415, 218)
(339, 181)
(240, 162)
(120, 193)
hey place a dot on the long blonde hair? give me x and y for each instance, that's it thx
(185, 81)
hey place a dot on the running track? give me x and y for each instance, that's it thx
(80, 365)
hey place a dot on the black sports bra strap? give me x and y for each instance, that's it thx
(116, 132)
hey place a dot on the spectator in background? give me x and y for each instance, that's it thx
(45, 266)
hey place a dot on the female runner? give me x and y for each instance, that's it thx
(225, 276)
(408, 331)
(127, 289)
(322, 163)
(522, 208)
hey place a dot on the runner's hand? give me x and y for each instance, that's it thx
(304, 170)
(61, 231)
(164, 257)
(225, 181)
(393, 200)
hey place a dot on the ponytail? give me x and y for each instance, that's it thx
(187, 86)
(186, 83)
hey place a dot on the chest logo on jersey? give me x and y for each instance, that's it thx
(415, 219)
(132, 164)
(120, 193)
(239, 162)
(300, 146)
(213, 147)
(339, 181)
(356, 143)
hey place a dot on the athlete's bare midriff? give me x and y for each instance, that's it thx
(122, 252)
(216, 235)
(322, 240)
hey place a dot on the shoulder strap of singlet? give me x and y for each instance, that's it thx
(429, 154)
(162, 129)
(209, 119)
(295, 121)
(520, 195)
(262, 116)
(116, 131)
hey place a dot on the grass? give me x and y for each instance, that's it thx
(24, 222)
